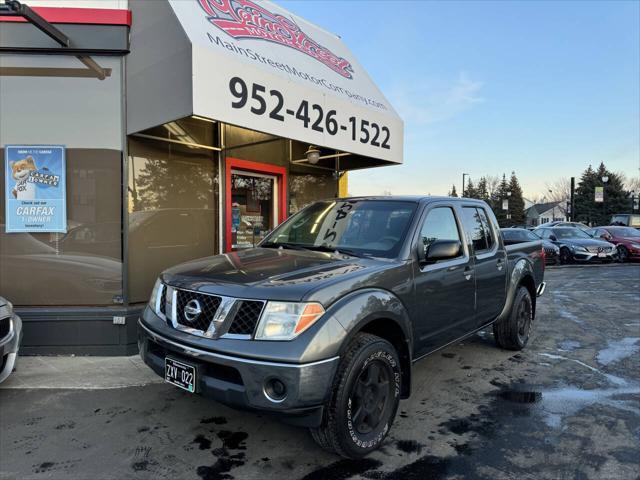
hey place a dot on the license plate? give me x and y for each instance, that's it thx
(180, 374)
(602, 254)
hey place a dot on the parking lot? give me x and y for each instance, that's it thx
(566, 407)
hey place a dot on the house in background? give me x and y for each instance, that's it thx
(544, 213)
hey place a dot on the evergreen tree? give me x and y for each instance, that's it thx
(615, 197)
(516, 202)
(482, 190)
(453, 192)
(470, 190)
(500, 196)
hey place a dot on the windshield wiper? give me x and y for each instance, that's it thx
(325, 248)
(290, 246)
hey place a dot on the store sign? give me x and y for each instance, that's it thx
(258, 66)
(35, 186)
(246, 19)
(599, 197)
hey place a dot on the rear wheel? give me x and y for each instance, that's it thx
(565, 256)
(364, 400)
(623, 254)
(512, 333)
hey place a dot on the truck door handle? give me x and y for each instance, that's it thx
(468, 272)
(500, 264)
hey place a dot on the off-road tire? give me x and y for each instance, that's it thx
(511, 333)
(337, 433)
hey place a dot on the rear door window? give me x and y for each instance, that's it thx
(475, 229)
(488, 231)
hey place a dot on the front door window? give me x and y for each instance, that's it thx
(253, 208)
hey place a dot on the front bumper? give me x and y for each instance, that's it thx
(240, 382)
(9, 346)
(582, 256)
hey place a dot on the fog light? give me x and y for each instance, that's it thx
(275, 390)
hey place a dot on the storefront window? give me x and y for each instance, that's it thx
(83, 266)
(306, 188)
(173, 209)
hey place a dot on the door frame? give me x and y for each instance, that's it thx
(253, 167)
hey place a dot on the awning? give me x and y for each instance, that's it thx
(257, 66)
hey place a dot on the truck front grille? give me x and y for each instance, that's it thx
(244, 321)
(246, 318)
(207, 304)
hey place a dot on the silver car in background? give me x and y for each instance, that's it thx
(10, 336)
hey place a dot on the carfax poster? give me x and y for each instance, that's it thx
(35, 188)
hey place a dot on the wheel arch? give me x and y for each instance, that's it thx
(521, 276)
(381, 313)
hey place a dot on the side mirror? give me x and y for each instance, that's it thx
(605, 236)
(440, 250)
(553, 238)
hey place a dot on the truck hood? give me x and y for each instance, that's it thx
(274, 274)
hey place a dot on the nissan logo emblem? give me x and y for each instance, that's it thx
(192, 310)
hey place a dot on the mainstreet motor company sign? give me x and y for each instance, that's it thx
(258, 66)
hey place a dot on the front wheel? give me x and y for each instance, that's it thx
(512, 333)
(565, 256)
(623, 254)
(364, 399)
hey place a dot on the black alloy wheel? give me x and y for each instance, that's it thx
(565, 256)
(371, 397)
(524, 317)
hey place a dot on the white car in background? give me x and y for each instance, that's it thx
(10, 336)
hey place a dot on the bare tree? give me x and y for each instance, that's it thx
(493, 182)
(631, 184)
(558, 190)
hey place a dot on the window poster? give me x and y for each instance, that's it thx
(35, 188)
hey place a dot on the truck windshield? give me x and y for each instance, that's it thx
(357, 227)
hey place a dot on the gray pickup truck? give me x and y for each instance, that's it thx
(321, 323)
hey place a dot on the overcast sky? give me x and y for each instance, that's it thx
(543, 88)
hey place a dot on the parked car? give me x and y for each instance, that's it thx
(577, 245)
(10, 338)
(512, 236)
(626, 240)
(321, 323)
(579, 225)
(626, 220)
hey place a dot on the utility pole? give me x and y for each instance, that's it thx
(572, 214)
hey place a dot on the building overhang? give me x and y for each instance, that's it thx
(260, 67)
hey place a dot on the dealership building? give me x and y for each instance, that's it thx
(188, 128)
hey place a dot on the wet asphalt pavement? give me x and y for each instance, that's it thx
(568, 407)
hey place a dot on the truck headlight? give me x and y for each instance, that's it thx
(153, 300)
(287, 320)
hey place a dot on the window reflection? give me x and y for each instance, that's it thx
(83, 266)
(172, 209)
(305, 188)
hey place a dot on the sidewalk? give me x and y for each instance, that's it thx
(84, 373)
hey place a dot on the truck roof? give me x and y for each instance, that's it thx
(410, 198)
